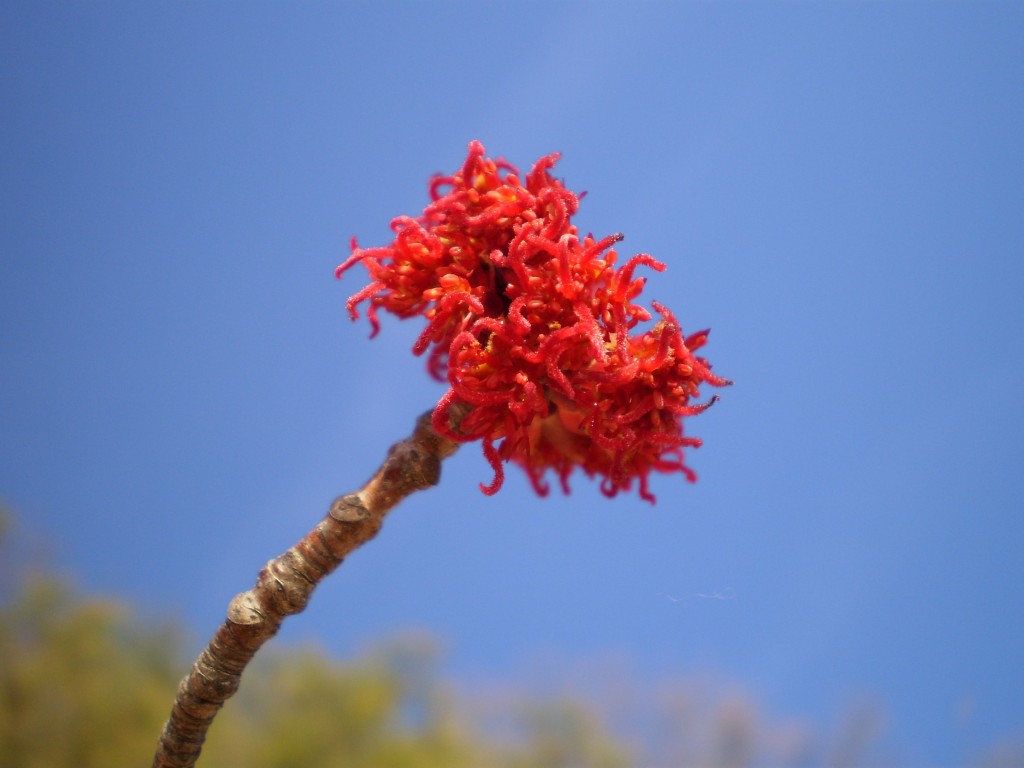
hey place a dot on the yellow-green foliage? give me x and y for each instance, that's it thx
(78, 684)
(84, 685)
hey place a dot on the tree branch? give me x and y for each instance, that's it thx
(285, 584)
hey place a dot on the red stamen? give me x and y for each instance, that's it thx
(531, 326)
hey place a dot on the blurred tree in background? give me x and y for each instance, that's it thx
(80, 682)
(84, 684)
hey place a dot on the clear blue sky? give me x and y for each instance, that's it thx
(838, 192)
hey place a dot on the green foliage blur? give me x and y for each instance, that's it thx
(84, 683)
(80, 683)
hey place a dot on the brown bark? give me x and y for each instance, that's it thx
(285, 584)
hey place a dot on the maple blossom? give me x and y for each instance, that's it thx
(538, 331)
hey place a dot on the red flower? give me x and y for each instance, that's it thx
(533, 327)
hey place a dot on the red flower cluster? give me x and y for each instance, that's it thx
(530, 323)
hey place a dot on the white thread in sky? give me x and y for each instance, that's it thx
(725, 594)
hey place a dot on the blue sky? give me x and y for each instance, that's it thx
(836, 189)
